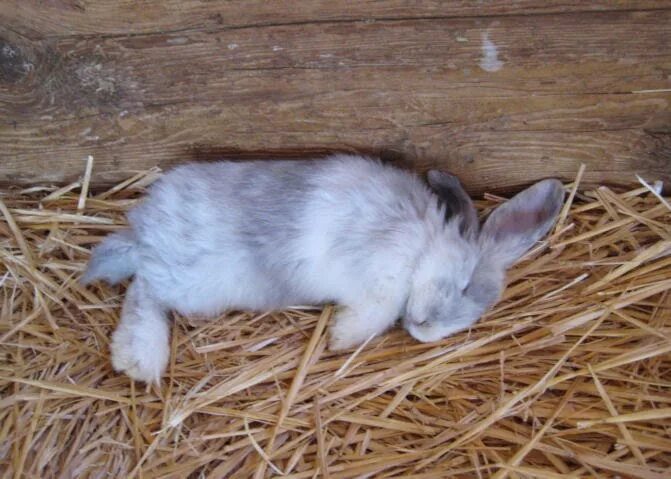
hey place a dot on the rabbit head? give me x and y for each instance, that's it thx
(462, 273)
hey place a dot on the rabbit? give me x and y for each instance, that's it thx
(263, 235)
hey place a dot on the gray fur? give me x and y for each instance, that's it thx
(458, 205)
(516, 225)
(112, 260)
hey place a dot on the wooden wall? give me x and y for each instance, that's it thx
(499, 92)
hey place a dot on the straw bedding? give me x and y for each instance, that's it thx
(569, 376)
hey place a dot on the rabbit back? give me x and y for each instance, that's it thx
(267, 235)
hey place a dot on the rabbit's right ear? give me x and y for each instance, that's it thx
(516, 225)
(457, 202)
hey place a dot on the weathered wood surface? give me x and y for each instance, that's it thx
(501, 93)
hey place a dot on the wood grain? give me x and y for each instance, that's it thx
(166, 83)
(39, 18)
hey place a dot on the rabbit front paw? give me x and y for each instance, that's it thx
(351, 328)
(341, 336)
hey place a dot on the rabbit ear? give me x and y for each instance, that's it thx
(457, 202)
(516, 225)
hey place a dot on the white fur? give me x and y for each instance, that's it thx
(267, 235)
(140, 344)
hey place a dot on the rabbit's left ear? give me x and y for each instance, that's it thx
(516, 225)
(457, 202)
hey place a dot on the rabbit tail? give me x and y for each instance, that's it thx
(113, 260)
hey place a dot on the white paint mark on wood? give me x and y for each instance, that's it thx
(490, 56)
(233, 46)
(177, 41)
(8, 51)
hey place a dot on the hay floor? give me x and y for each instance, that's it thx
(570, 375)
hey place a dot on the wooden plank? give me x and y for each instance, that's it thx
(568, 54)
(493, 161)
(412, 89)
(37, 18)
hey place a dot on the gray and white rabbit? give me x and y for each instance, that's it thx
(263, 235)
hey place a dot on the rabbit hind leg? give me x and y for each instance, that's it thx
(141, 343)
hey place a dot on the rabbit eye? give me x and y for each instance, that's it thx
(420, 323)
